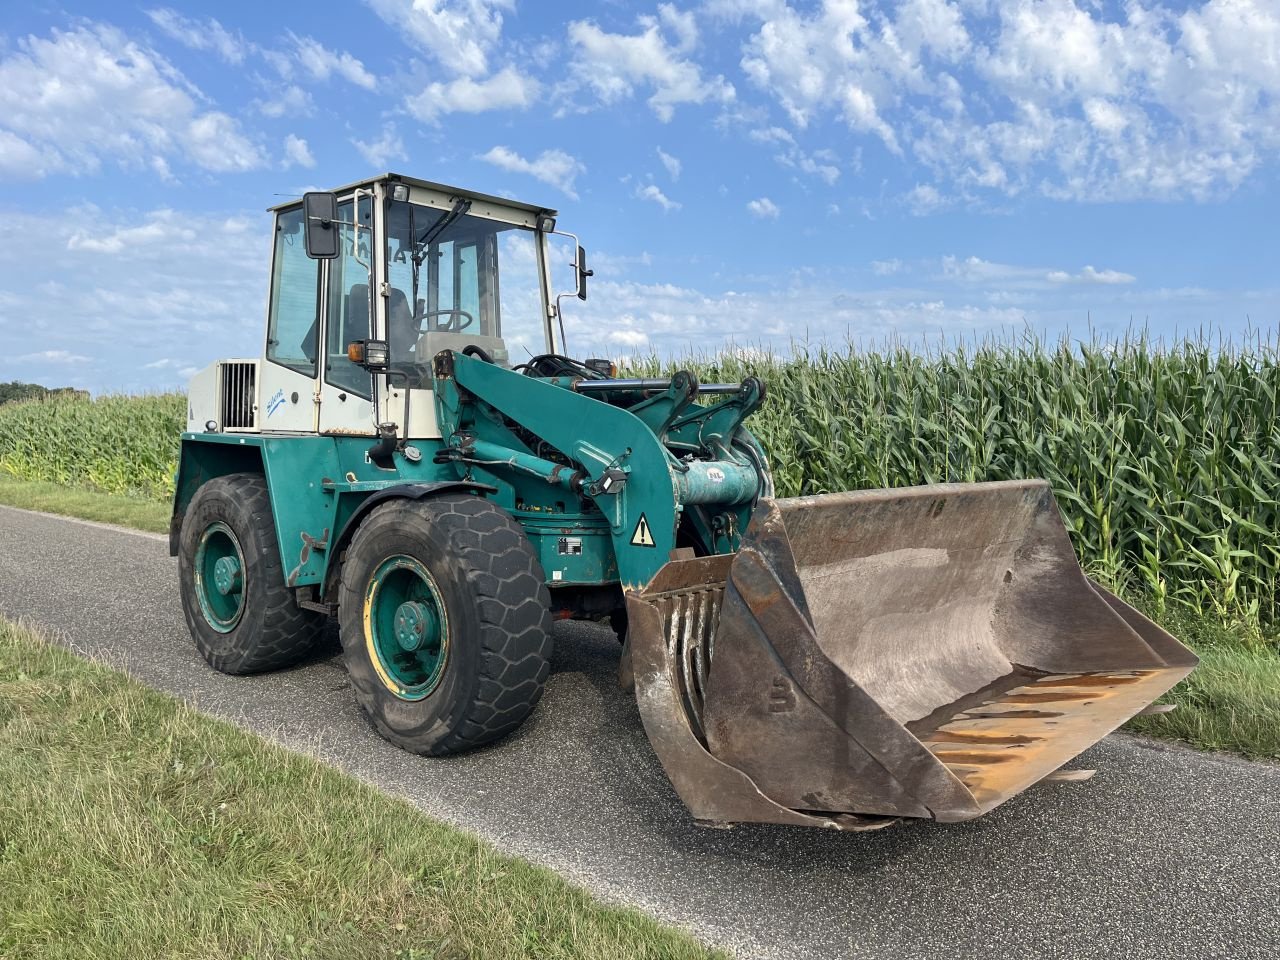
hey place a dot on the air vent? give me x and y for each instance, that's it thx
(238, 394)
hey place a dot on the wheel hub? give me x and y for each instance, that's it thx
(414, 625)
(226, 575)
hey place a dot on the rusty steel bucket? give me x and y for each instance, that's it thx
(921, 652)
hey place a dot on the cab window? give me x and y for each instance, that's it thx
(295, 298)
(472, 276)
(349, 300)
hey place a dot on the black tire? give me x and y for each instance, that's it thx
(496, 613)
(270, 630)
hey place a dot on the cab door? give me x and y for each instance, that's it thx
(289, 379)
(350, 310)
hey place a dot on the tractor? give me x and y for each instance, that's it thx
(417, 454)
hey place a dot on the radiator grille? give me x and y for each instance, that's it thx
(238, 395)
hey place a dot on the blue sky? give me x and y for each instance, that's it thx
(744, 172)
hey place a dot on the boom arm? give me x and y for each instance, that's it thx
(619, 461)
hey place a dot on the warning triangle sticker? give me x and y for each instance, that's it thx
(643, 537)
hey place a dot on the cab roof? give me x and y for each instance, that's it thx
(430, 185)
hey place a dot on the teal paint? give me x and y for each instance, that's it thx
(601, 437)
(583, 534)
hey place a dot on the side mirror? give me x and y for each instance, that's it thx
(583, 272)
(320, 213)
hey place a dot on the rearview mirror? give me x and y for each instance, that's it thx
(320, 212)
(583, 272)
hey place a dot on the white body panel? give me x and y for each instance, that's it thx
(202, 399)
(345, 413)
(287, 400)
(422, 413)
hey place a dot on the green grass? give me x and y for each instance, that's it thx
(136, 512)
(1231, 701)
(132, 826)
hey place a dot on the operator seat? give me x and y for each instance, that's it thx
(402, 327)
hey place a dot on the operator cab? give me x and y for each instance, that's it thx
(420, 267)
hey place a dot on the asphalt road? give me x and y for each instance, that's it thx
(1166, 853)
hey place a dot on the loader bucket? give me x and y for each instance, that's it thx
(920, 652)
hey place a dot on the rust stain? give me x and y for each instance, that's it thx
(974, 758)
(981, 737)
(1088, 680)
(1047, 697)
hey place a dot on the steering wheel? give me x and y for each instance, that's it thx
(455, 324)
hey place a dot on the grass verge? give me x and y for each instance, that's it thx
(86, 504)
(133, 826)
(1231, 701)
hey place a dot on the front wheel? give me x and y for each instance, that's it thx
(445, 622)
(241, 613)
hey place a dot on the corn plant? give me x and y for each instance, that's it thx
(1165, 459)
(116, 444)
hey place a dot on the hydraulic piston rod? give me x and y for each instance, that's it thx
(641, 384)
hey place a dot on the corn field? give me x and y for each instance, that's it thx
(117, 444)
(1165, 461)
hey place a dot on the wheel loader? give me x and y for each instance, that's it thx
(417, 454)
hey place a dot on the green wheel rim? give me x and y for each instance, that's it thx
(219, 572)
(406, 627)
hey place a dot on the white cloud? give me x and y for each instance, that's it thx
(1072, 99)
(291, 101)
(884, 268)
(52, 356)
(386, 149)
(651, 192)
(671, 163)
(820, 164)
(297, 153)
(838, 61)
(628, 338)
(507, 89)
(1090, 275)
(924, 198)
(214, 141)
(458, 34)
(679, 320)
(764, 208)
(614, 65)
(159, 228)
(321, 63)
(974, 270)
(196, 34)
(90, 284)
(20, 160)
(554, 167)
(76, 98)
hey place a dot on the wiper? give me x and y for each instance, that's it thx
(440, 226)
(423, 243)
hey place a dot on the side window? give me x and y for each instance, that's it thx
(294, 313)
(468, 290)
(349, 302)
(519, 294)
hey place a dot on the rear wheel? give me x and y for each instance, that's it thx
(445, 622)
(241, 614)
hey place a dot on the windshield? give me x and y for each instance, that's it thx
(474, 281)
